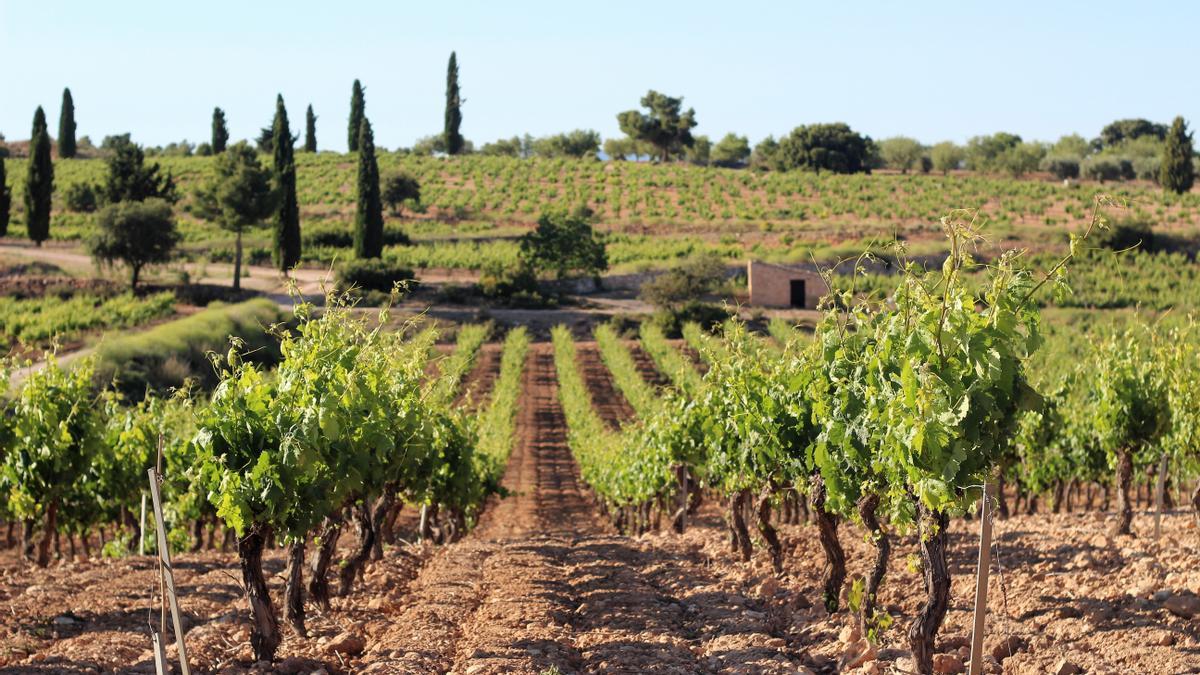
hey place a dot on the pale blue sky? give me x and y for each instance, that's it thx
(933, 70)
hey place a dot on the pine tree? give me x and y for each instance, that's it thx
(39, 181)
(368, 218)
(220, 134)
(358, 111)
(66, 127)
(287, 216)
(310, 130)
(451, 136)
(1178, 173)
(5, 199)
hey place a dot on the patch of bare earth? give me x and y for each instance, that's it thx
(478, 383)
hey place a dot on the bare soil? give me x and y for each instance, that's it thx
(609, 402)
(478, 383)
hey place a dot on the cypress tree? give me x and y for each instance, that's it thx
(66, 127)
(368, 217)
(358, 107)
(5, 199)
(1178, 173)
(310, 130)
(287, 215)
(220, 135)
(39, 181)
(453, 139)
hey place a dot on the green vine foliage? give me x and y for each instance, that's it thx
(1125, 398)
(1181, 356)
(284, 450)
(55, 434)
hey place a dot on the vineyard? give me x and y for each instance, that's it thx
(472, 207)
(359, 492)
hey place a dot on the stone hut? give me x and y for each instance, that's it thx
(784, 286)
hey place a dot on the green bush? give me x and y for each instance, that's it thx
(172, 354)
(671, 321)
(1108, 168)
(1061, 168)
(372, 274)
(341, 235)
(515, 286)
(698, 275)
(80, 198)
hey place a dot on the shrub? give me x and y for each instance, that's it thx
(730, 151)
(578, 143)
(824, 147)
(1107, 168)
(686, 283)
(1147, 168)
(901, 153)
(671, 321)
(372, 274)
(564, 244)
(336, 235)
(1061, 168)
(80, 198)
(514, 286)
(399, 189)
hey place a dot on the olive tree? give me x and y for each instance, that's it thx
(901, 152)
(136, 234)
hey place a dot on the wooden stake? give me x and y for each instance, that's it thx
(1159, 488)
(142, 530)
(168, 575)
(160, 657)
(981, 579)
(682, 471)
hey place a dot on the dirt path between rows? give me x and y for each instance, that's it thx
(543, 583)
(477, 385)
(646, 367)
(610, 404)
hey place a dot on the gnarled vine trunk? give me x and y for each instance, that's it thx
(293, 593)
(135, 526)
(318, 585)
(1196, 503)
(679, 519)
(1057, 501)
(1001, 500)
(379, 518)
(27, 541)
(763, 522)
(867, 506)
(198, 534)
(738, 519)
(835, 557)
(1124, 507)
(264, 627)
(49, 529)
(365, 527)
(923, 631)
(695, 497)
